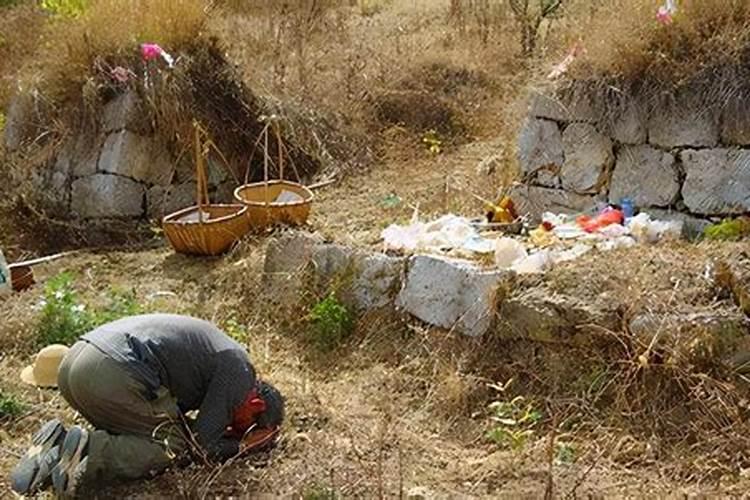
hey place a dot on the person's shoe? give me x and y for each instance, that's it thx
(33, 470)
(67, 475)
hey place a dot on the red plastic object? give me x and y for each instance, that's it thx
(606, 218)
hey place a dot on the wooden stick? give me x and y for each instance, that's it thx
(198, 178)
(42, 260)
(321, 184)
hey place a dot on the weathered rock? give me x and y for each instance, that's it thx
(588, 157)
(78, 157)
(574, 107)
(332, 265)
(125, 112)
(539, 315)
(735, 122)
(646, 175)
(138, 157)
(362, 280)
(224, 193)
(629, 126)
(535, 201)
(691, 335)
(683, 125)
(692, 227)
(286, 266)
(451, 294)
(107, 196)
(377, 281)
(717, 181)
(161, 200)
(540, 151)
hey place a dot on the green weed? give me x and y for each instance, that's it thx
(728, 229)
(10, 406)
(236, 330)
(65, 8)
(565, 454)
(432, 142)
(64, 317)
(331, 323)
(317, 492)
(514, 420)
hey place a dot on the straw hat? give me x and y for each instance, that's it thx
(43, 372)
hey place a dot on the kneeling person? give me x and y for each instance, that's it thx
(134, 380)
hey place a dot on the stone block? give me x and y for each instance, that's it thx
(135, 156)
(683, 124)
(534, 201)
(540, 151)
(539, 315)
(717, 181)
(377, 280)
(107, 196)
(286, 266)
(161, 200)
(451, 294)
(735, 122)
(572, 107)
(629, 126)
(588, 157)
(646, 175)
(691, 335)
(125, 111)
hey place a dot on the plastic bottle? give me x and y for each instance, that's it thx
(628, 208)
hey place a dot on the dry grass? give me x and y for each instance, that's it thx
(624, 41)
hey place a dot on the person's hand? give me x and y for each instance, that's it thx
(256, 439)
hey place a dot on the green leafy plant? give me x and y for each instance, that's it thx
(331, 323)
(565, 454)
(2, 116)
(65, 8)
(432, 142)
(64, 317)
(728, 229)
(236, 330)
(514, 420)
(317, 492)
(10, 406)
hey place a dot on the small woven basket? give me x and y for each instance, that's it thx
(206, 228)
(263, 211)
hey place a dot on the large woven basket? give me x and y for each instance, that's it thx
(215, 235)
(264, 211)
(206, 228)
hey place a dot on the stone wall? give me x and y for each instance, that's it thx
(121, 171)
(676, 157)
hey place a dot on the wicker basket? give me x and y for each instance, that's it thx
(205, 229)
(215, 235)
(263, 211)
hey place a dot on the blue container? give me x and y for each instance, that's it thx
(628, 209)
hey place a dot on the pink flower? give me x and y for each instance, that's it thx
(150, 51)
(664, 16)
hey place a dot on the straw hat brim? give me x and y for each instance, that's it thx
(27, 375)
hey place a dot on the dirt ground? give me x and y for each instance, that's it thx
(398, 410)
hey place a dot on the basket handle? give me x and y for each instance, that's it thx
(200, 171)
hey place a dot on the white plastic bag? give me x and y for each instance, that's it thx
(508, 251)
(534, 263)
(5, 283)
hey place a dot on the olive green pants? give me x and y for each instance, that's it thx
(132, 437)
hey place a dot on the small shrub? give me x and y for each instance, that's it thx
(728, 229)
(64, 317)
(565, 454)
(331, 323)
(10, 406)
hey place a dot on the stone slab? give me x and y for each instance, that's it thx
(717, 181)
(107, 196)
(646, 175)
(588, 157)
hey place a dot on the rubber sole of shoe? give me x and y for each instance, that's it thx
(24, 475)
(71, 452)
